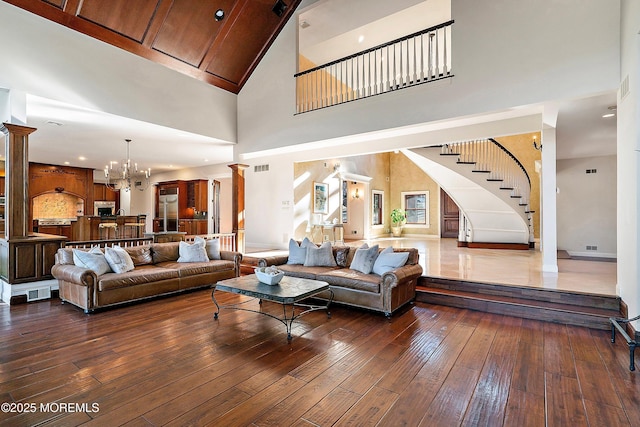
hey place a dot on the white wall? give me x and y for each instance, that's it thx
(550, 60)
(629, 162)
(586, 214)
(505, 55)
(82, 71)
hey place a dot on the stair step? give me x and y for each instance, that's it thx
(516, 197)
(466, 163)
(520, 307)
(605, 302)
(529, 211)
(449, 154)
(506, 188)
(495, 179)
(477, 171)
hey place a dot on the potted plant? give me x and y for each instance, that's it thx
(398, 216)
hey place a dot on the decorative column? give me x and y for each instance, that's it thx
(17, 179)
(237, 204)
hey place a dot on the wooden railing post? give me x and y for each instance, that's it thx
(237, 204)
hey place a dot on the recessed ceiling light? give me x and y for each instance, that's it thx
(67, 163)
(304, 24)
(218, 15)
(605, 116)
(360, 39)
(82, 158)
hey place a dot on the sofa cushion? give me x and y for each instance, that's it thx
(389, 260)
(163, 252)
(141, 275)
(351, 279)
(298, 253)
(319, 256)
(119, 260)
(140, 255)
(364, 258)
(295, 270)
(93, 260)
(185, 269)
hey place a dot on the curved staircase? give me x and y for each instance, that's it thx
(489, 185)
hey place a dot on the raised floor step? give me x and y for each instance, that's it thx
(572, 308)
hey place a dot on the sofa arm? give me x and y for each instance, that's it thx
(236, 257)
(273, 260)
(74, 274)
(403, 274)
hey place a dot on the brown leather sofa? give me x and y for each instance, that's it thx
(156, 272)
(385, 293)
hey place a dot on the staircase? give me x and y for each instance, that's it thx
(489, 185)
(588, 310)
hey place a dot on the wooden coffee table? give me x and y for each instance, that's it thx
(289, 292)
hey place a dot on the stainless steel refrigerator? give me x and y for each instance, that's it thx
(168, 207)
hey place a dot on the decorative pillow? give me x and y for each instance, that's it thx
(141, 255)
(341, 254)
(93, 260)
(298, 254)
(213, 248)
(119, 260)
(195, 252)
(364, 258)
(320, 257)
(389, 260)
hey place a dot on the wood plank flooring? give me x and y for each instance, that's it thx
(167, 362)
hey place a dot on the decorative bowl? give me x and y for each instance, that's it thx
(268, 275)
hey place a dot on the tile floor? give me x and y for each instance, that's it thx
(443, 258)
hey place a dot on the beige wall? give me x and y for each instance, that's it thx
(521, 146)
(406, 176)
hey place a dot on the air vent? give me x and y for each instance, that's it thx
(624, 88)
(592, 170)
(261, 168)
(38, 294)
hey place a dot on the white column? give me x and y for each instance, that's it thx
(548, 208)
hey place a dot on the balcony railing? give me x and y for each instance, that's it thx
(411, 60)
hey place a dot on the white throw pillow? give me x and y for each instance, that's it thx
(93, 260)
(364, 258)
(213, 248)
(320, 257)
(119, 260)
(389, 260)
(195, 252)
(298, 254)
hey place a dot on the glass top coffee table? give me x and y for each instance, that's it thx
(289, 292)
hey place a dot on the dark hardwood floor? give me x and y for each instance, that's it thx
(167, 362)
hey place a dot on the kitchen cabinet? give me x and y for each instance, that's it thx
(57, 230)
(103, 193)
(197, 195)
(192, 205)
(192, 226)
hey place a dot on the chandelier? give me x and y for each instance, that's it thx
(126, 175)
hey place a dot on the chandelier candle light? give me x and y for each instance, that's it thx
(125, 176)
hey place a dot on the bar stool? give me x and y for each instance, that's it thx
(105, 228)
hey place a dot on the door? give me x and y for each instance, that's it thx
(449, 216)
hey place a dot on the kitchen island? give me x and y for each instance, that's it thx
(91, 227)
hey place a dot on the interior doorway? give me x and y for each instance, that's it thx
(355, 197)
(215, 211)
(449, 216)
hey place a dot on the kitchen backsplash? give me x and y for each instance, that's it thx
(57, 205)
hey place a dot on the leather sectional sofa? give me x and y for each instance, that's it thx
(157, 272)
(385, 293)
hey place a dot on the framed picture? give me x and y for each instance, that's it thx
(320, 198)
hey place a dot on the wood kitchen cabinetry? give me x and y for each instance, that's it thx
(103, 193)
(192, 205)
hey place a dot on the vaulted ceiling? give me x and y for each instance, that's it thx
(181, 34)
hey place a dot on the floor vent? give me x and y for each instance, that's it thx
(261, 168)
(38, 294)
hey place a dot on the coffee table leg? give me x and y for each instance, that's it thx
(213, 297)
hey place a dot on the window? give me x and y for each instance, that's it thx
(377, 207)
(416, 205)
